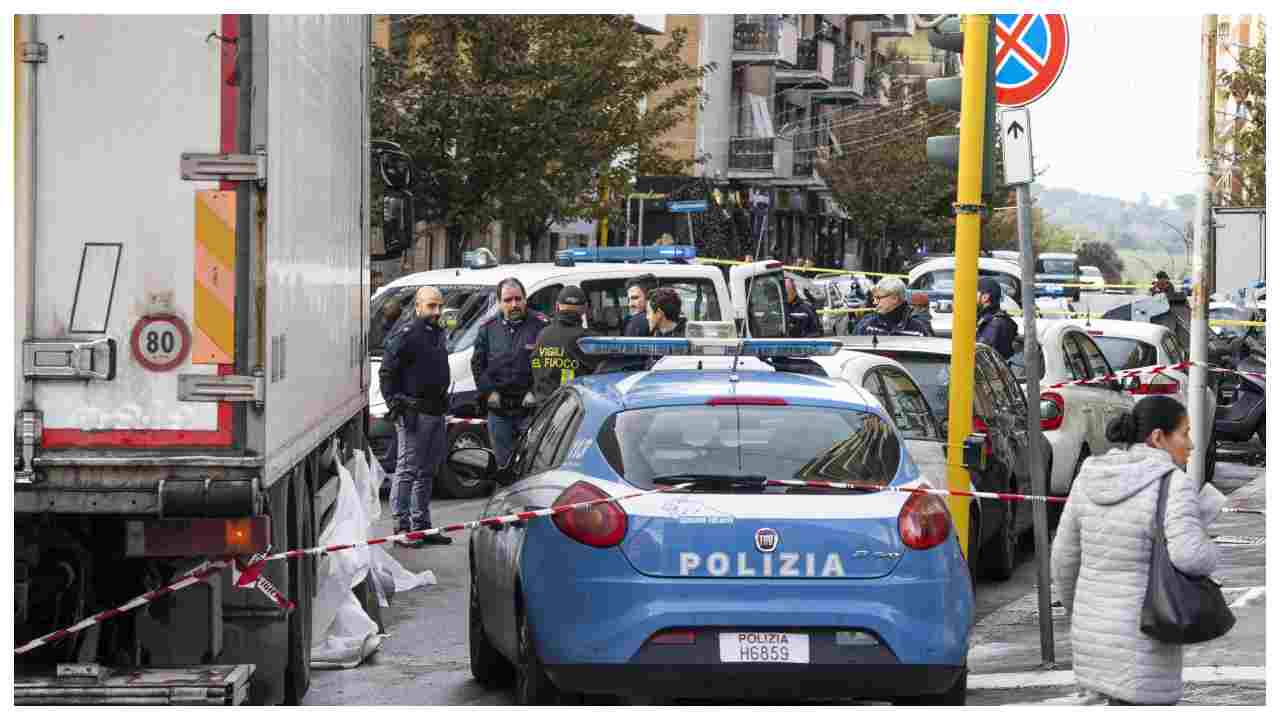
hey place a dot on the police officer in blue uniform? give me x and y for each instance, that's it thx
(502, 368)
(414, 379)
(995, 327)
(893, 316)
(802, 321)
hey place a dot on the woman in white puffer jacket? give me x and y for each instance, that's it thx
(1102, 552)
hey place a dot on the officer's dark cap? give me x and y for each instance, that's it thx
(989, 286)
(571, 295)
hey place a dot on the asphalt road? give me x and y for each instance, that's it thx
(424, 659)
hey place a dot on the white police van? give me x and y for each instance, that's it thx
(470, 295)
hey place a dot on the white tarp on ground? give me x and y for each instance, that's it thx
(342, 632)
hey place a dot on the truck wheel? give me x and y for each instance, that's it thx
(452, 485)
(302, 586)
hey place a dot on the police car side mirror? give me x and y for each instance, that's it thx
(473, 463)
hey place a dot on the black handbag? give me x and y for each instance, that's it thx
(1180, 609)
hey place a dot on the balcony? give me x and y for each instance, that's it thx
(764, 38)
(760, 157)
(849, 78)
(899, 26)
(814, 66)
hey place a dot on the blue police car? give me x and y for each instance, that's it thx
(728, 587)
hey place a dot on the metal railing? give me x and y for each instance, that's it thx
(807, 54)
(751, 153)
(756, 33)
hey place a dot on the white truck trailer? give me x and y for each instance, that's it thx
(191, 295)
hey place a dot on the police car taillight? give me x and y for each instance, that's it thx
(600, 525)
(924, 522)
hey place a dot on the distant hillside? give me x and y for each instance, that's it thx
(1122, 224)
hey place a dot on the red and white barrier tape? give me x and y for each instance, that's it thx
(1153, 370)
(920, 490)
(198, 575)
(248, 574)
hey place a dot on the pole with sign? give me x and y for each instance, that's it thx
(1015, 135)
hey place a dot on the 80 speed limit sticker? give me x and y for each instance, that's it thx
(160, 342)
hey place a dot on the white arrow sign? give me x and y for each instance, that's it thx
(1015, 134)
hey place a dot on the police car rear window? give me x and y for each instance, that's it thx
(836, 444)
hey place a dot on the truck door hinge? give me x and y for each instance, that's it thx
(228, 167)
(35, 52)
(63, 359)
(223, 388)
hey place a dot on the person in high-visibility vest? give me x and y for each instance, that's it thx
(556, 358)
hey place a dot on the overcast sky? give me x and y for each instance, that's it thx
(1122, 118)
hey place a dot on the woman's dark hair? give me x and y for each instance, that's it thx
(667, 300)
(513, 282)
(1155, 412)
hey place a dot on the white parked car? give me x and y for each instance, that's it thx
(1130, 345)
(937, 278)
(1074, 418)
(1092, 275)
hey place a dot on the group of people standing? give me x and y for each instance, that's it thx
(519, 359)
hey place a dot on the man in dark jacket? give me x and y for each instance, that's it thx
(664, 315)
(995, 327)
(893, 316)
(414, 379)
(638, 288)
(502, 369)
(802, 321)
(557, 359)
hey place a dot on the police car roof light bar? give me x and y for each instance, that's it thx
(663, 347)
(646, 253)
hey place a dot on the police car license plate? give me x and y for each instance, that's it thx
(764, 647)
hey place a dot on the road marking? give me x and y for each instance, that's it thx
(1252, 597)
(1239, 540)
(1063, 678)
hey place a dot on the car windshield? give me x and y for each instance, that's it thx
(1057, 267)
(944, 282)
(1230, 313)
(1090, 271)
(388, 309)
(1126, 353)
(839, 445)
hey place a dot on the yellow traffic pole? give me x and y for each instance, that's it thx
(968, 207)
(604, 224)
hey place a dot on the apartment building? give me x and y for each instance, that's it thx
(780, 85)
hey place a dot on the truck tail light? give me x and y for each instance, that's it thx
(601, 525)
(924, 522)
(197, 537)
(1053, 410)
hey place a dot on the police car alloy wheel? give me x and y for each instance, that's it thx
(533, 687)
(488, 666)
(453, 485)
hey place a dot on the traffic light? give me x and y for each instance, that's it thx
(944, 150)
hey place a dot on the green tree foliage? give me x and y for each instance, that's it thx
(879, 173)
(529, 119)
(1248, 84)
(1104, 257)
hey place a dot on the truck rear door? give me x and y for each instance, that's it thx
(127, 252)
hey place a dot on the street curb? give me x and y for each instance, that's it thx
(1063, 678)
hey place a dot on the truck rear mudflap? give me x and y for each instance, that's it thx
(90, 684)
